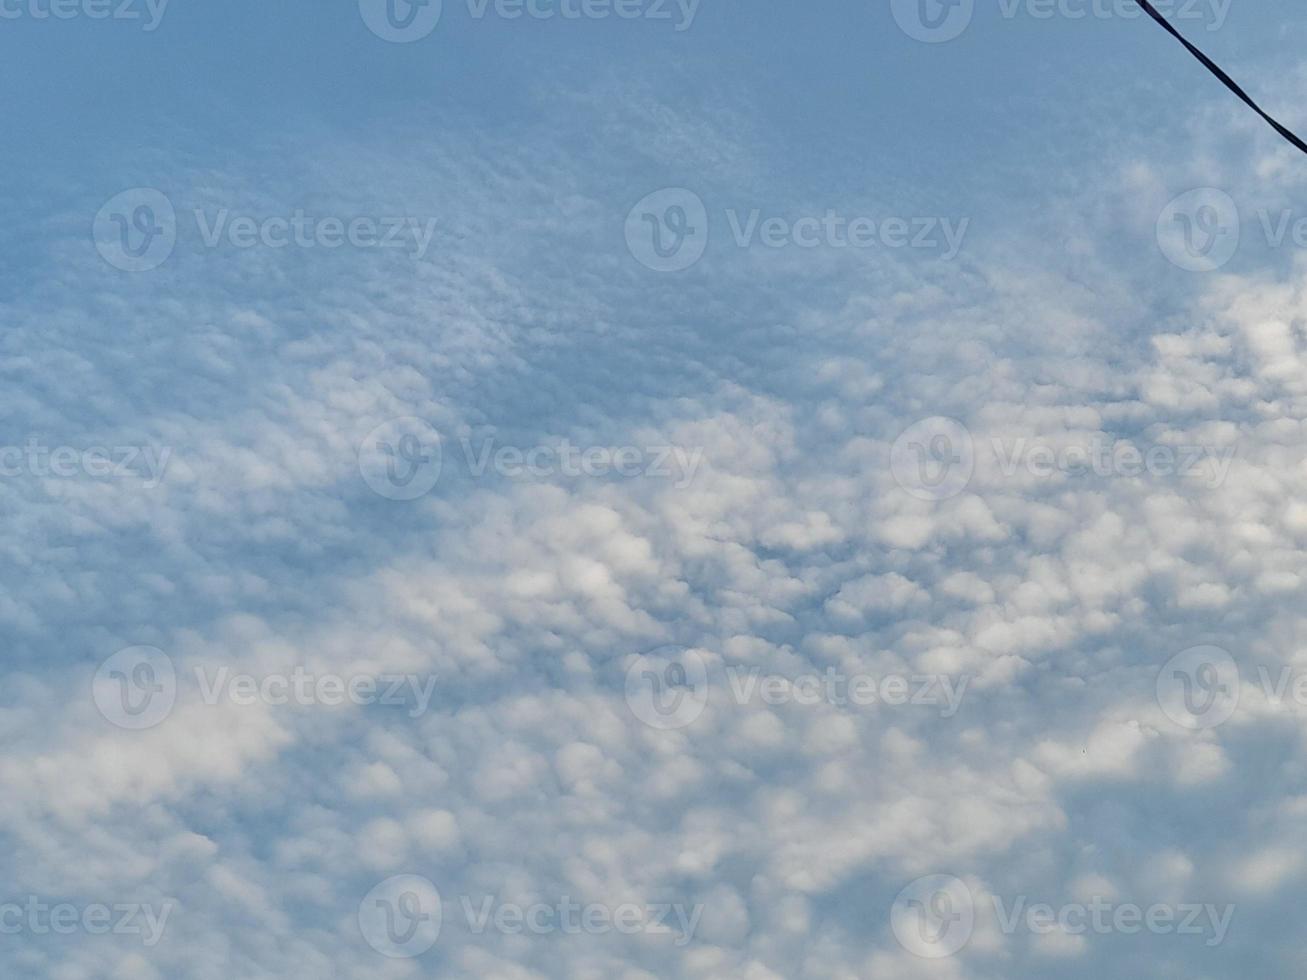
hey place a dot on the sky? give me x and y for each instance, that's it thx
(647, 489)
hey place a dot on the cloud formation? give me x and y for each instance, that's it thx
(766, 836)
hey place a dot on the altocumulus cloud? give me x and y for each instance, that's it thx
(530, 781)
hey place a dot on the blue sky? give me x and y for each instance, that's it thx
(803, 496)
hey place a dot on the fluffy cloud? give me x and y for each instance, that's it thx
(792, 549)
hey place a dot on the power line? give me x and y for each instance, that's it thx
(1216, 70)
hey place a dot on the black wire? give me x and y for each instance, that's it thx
(1216, 70)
